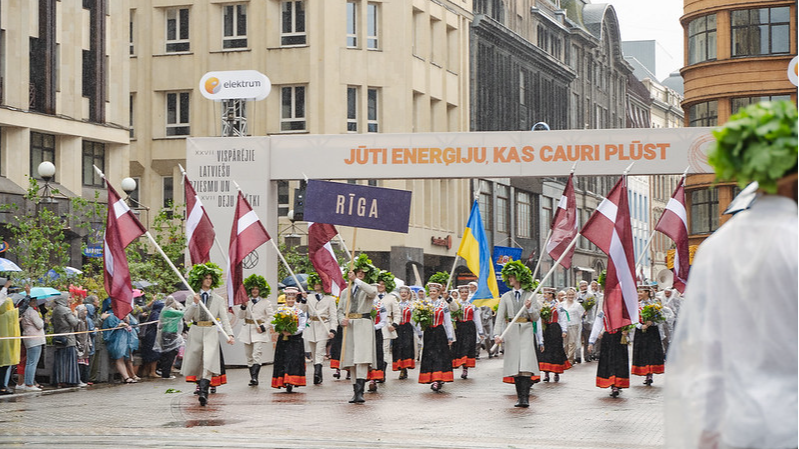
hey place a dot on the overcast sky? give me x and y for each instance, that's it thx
(648, 19)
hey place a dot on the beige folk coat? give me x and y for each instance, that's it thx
(202, 346)
(360, 333)
(519, 342)
(260, 313)
(393, 315)
(325, 310)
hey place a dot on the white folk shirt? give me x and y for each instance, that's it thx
(732, 362)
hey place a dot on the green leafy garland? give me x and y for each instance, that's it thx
(759, 143)
(439, 277)
(364, 263)
(388, 278)
(198, 273)
(255, 280)
(313, 279)
(522, 274)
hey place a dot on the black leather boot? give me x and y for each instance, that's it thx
(256, 370)
(524, 391)
(253, 382)
(204, 384)
(317, 374)
(517, 382)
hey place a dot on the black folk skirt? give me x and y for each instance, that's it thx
(380, 372)
(647, 352)
(335, 349)
(464, 349)
(436, 363)
(404, 348)
(289, 366)
(613, 369)
(553, 359)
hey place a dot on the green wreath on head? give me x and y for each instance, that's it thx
(757, 144)
(388, 279)
(439, 277)
(254, 281)
(198, 273)
(521, 272)
(313, 279)
(364, 263)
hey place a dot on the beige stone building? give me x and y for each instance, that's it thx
(63, 98)
(336, 66)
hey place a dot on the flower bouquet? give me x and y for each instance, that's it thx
(546, 313)
(589, 304)
(652, 312)
(423, 314)
(627, 328)
(285, 320)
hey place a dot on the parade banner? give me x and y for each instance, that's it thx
(358, 206)
(503, 255)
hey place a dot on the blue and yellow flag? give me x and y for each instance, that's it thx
(475, 251)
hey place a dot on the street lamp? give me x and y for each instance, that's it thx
(46, 171)
(129, 186)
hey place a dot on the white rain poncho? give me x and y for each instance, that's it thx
(732, 364)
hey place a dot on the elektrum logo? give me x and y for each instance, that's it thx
(212, 85)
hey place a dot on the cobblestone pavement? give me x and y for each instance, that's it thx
(473, 413)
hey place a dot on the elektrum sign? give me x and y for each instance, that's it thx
(235, 85)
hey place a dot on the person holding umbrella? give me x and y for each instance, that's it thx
(32, 326)
(9, 327)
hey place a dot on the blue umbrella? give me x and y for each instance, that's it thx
(302, 277)
(44, 292)
(70, 271)
(7, 265)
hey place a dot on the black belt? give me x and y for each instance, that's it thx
(355, 316)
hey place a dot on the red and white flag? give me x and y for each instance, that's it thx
(199, 230)
(121, 228)
(609, 229)
(247, 234)
(564, 226)
(323, 258)
(674, 223)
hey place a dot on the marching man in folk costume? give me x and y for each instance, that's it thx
(256, 314)
(520, 364)
(289, 321)
(323, 320)
(358, 334)
(201, 361)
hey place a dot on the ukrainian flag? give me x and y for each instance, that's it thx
(475, 251)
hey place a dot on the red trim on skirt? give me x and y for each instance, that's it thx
(287, 379)
(553, 367)
(512, 379)
(436, 376)
(403, 364)
(464, 361)
(335, 364)
(215, 380)
(376, 374)
(620, 382)
(648, 369)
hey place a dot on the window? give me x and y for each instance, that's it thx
(234, 26)
(484, 203)
(42, 149)
(293, 23)
(702, 39)
(168, 191)
(704, 211)
(738, 103)
(372, 111)
(372, 18)
(135, 193)
(132, 114)
(177, 114)
(132, 32)
(177, 30)
(282, 198)
(352, 24)
(764, 31)
(292, 112)
(704, 114)
(93, 154)
(352, 109)
(502, 208)
(524, 215)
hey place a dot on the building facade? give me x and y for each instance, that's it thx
(736, 53)
(64, 81)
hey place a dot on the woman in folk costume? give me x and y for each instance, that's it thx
(289, 368)
(355, 315)
(468, 332)
(553, 357)
(386, 286)
(378, 371)
(613, 369)
(520, 364)
(648, 358)
(404, 348)
(322, 323)
(201, 361)
(436, 366)
(256, 315)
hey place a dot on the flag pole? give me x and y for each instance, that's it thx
(541, 256)
(535, 292)
(349, 297)
(452, 272)
(171, 265)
